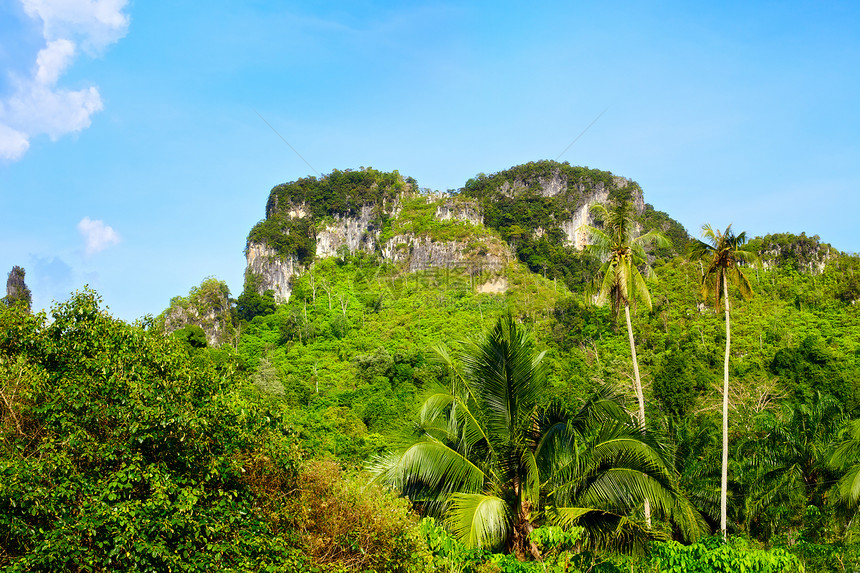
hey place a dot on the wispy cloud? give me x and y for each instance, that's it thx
(97, 235)
(37, 105)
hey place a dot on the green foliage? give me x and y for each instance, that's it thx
(450, 554)
(207, 308)
(192, 335)
(812, 367)
(339, 192)
(530, 175)
(653, 220)
(713, 555)
(785, 463)
(290, 237)
(123, 453)
(678, 382)
(417, 216)
(795, 252)
(345, 525)
(514, 203)
(847, 288)
(251, 303)
(487, 455)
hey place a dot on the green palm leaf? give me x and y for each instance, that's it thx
(434, 465)
(479, 520)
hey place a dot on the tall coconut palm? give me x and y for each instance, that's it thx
(623, 253)
(492, 461)
(724, 255)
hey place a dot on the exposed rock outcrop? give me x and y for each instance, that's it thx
(573, 191)
(208, 306)
(16, 289)
(361, 234)
(423, 253)
(800, 252)
(272, 271)
(466, 211)
(352, 233)
(590, 196)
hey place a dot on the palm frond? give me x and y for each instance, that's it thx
(846, 457)
(459, 422)
(640, 290)
(531, 478)
(848, 486)
(653, 238)
(431, 464)
(459, 385)
(599, 243)
(478, 520)
(508, 378)
(740, 280)
(606, 530)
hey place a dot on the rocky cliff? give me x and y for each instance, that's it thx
(368, 212)
(208, 306)
(384, 215)
(799, 252)
(564, 193)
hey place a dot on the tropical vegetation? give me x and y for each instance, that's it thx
(160, 445)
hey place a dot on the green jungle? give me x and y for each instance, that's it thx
(655, 402)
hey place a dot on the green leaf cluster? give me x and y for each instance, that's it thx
(125, 449)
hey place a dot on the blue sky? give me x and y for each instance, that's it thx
(132, 157)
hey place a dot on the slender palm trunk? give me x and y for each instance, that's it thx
(638, 383)
(724, 480)
(640, 397)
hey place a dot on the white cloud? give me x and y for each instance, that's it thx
(37, 105)
(97, 22)
(13, 144)
(53, 61)
(97, 235)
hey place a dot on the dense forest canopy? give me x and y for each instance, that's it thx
(145, 447)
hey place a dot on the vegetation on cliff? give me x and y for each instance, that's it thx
(313, 200)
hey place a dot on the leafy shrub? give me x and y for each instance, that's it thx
(347, 525)
(678, 381)
(713, 555)
(192, 335)
(251, 303)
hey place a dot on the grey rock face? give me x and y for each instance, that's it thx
(422, 253)
(360, 233)
(353, 233)
(272, 271)
(467, 211)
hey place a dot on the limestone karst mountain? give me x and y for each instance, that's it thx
(385, 215)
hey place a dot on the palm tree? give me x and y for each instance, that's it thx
(723, 254)
(492, 461)
(623, 253)
(845, 459)
(787, 460)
